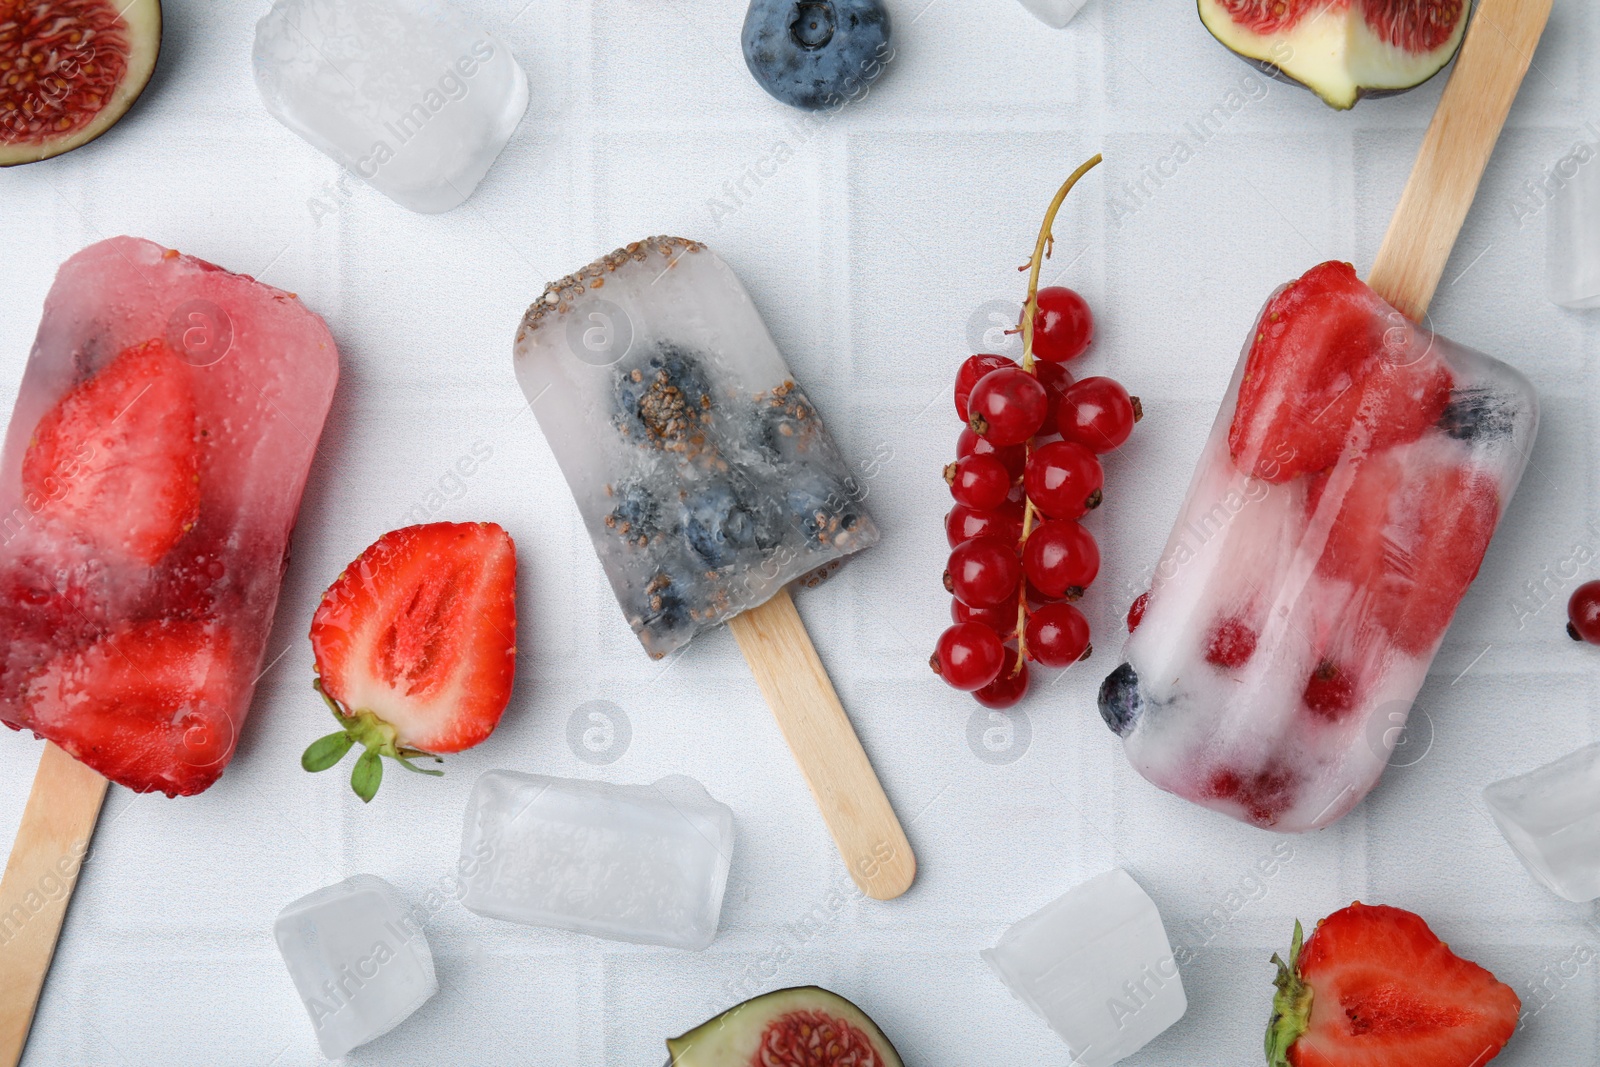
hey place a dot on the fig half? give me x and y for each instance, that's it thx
(1342, 50)
(69, 69)
(806, 1026)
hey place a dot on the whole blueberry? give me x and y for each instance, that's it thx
(1120, 702)
(814, 54)
(719, 523)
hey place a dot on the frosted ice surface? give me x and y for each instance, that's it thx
(1056, 13)
(1572, 238)
(1096, 965)
(407, 94)
(359, 959)
(1551, 817)
(701, 469)
(640, 863)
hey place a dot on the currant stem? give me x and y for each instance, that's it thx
(1041, 251)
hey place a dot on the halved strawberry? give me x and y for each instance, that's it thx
(147, 705)
(415, 646)
(1373, 987)
(116, 460)
(1332, 367)
(1411, 533)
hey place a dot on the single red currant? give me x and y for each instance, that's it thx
(1013, 456)
(968, 656)
(1007, 406)
(1583, 613)
(983, 572)
(1231, 643)
(1097, 413)
(978, 482)
(963, 524)
(972, 369)
(1002, 619)
(1061, 558)
(1058, 636)
(1136, 610)
(1062, 326)
(1063, 479)
(1008, 687)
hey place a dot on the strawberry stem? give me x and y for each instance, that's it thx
(1291, 1004)
(377, 738)
(1030, 307)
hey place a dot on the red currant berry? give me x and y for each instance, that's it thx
(1055, 378)
(1060, 558)
(983, 572)
(1097, 413)
(1136, 610)
(974, 368)
(1231, 643)
(979, 482)
(1330, 691)
(968, 656)
(963, 524)
(1583, 613)
(1002, 619)
(1008, 687)
(1062, 326)
(1058, 636)
(1007, 406)
(1013, 456)
(1063, 479)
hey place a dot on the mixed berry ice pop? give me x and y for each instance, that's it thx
(1342, 505)
(152, 470)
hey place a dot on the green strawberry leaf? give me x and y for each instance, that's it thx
(367, 776)
(1291, 1004)
(326, 751)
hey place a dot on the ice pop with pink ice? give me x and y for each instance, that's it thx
(152, 472)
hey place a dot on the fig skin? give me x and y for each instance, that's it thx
(144, 31)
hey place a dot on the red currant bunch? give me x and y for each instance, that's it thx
(1027, 470)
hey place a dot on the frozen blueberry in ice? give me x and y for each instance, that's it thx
(822, 508)
(814, 54)
(663, 604)
(1120, 702)
(785, 424)
(1480, 414)
(665, 402)
(719, 523)
(637, 514)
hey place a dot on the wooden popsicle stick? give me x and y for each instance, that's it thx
(1494, 57)
(791, 677)
(41, 873)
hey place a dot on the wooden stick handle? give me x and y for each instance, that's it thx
(1494, 57)
(790, 675)
(40, 875)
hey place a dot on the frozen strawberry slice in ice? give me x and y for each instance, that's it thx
(115, 459)
(1410, 533)
(1332, 367)
(146, 705)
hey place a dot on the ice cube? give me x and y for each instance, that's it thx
(359, 959)
(1572, 239)
(1056, 13)
(1096, 965)
(640, 863)
(408, 95)
(1551, 817)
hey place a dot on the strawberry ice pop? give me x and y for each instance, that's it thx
(1342, 505)
(152, 470)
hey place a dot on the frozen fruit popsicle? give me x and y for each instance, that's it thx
(152, 470)
(1342, 505)
(708, 484)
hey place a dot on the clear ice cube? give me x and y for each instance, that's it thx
(640, 863)
(1572, 239)
(359, 959)
(1097, 967)
(409, 95)
(1551, 818)
(1055, 13)
(703, 472)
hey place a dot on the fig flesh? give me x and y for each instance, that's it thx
(806, 1026)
